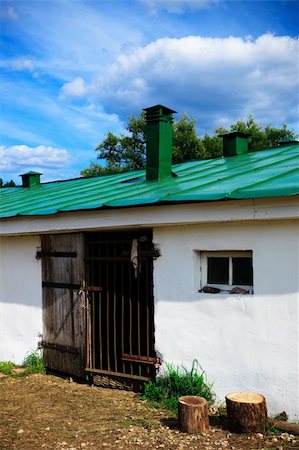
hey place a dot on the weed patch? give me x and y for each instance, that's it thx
(178, 381)
(32, 363)
(6, 367)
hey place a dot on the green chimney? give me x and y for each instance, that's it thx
(30, 179)
(158, 142)
(235, 143)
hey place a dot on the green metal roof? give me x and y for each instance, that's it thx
(267, 173)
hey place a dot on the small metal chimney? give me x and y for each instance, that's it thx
(235, 143)
(30, 178)
(288, 140)
(158, 142)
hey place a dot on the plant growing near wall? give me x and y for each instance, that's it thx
(34, 362)
(178, 381)
(6, 367)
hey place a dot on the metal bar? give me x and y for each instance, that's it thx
(60, 348)
(42, 254)
(89, 347)
(114, 315)
(107, 320)
(147, 310)
(93, 330)
(141, 257)
(122, 313)
(117, 374)
(140, 359)
(138, 321)
(113, 241)
(100, 335)
(152, 253)
(130, 311)
(53, 284)
(107, 258)
(91, 289)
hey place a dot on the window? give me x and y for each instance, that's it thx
(226, 271)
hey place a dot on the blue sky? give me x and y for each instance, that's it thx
(72, 70)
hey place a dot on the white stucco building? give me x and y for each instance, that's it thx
(110, 272)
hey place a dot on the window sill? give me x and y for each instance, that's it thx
(234, 290)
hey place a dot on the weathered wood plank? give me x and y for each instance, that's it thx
(63, 307)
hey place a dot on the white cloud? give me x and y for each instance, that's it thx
(176, 6)
(74, 37)
(76, 88)
(208, 77)
(18, 64)
(22, 158)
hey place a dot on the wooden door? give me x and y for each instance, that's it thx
(63, 305)
(121, 317)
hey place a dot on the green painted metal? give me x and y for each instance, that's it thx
(30, 178)
(235, 143)
(267, 173)
(159, 142)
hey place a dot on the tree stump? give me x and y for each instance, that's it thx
(246, 412)
(193, 414)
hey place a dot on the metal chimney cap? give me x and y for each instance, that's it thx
(30, 178)
(155, 108)
(30, 173)
(234, 134)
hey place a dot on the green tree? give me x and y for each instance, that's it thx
(10, 183)
(121, 153)
(186, 143)
(128, 152)
(262, 138)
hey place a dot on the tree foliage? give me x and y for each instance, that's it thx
(128, 151)
(10, 183)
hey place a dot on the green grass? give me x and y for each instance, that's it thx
(178, 381)
(32, 363)
(6, 367)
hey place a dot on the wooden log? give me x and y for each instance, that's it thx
(246, 412)
(193, 414)
(288, 427)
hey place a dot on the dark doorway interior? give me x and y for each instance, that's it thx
(120, 318)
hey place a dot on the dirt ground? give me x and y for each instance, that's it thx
(47, 412)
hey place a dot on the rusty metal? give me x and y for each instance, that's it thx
(59, 347)
(141, 359)
(91, 288)
(42, 254)
(54, 284)
(118, 374)
(120, 317)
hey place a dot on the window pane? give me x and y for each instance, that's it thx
(242, 271)
(218, 270)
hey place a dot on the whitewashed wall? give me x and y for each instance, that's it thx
(20, 297)
(244, 343)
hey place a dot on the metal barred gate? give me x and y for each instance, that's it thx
(120, 315)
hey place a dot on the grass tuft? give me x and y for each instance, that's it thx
(178, 381)
(6, 367)
(34, 363)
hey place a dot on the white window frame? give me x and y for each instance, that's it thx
(204, 255)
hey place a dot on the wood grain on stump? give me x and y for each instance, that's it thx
(193, 414)
(246, 412)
